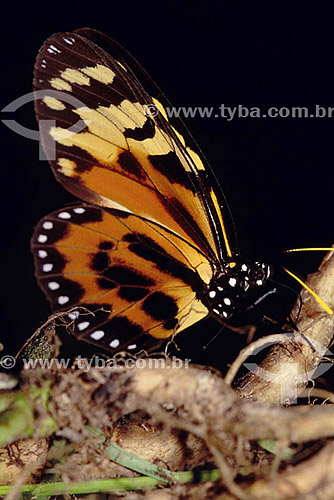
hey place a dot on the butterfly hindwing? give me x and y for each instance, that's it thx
(136, 284)
(115, 154)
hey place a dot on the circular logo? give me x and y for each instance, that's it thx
(7, 362)
(151, 110)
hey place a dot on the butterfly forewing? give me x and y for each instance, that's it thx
(121, 157)
(205, 182)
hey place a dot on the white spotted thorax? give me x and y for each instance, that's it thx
(225, 291)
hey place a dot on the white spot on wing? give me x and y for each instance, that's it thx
(132, 346)
(114, 343)
(99, 334)
(70, 41)
(53, 50)
(64, 215)
(53, 285)
(42, 254)
(47, 224)
(232, 281)
(83, 325)
(63, 299)
(42, 238)
(212, 294)
(79, 210)
(47, 267)
(74, 315)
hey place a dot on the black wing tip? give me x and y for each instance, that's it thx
(85, 32)
(93, 38)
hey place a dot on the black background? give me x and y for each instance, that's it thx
(276, 173)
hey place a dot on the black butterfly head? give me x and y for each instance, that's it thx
(226, 292)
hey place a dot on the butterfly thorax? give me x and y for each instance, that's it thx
(226, 291)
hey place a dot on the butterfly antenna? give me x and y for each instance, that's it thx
(321, 249)
(310, 249)
(216, 335)
(263, 297)
(291, 290)
(289, 319)
(312, 292)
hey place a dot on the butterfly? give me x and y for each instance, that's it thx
(151, 249)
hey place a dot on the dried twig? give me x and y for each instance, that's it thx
(289, 365)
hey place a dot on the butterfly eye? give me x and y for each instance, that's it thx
(257, 274)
